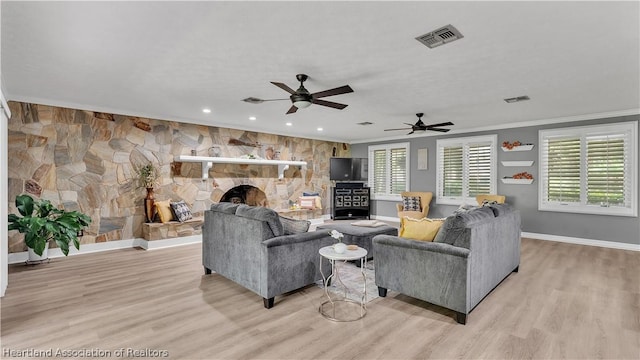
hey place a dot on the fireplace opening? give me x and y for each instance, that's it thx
(245, 194)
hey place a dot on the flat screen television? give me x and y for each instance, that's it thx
(348, 169)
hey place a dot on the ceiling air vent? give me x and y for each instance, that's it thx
(365, 123)
(517, 99)
(445, 34)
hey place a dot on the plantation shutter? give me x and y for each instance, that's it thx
(451, 169)
(388, 171)
(606, 165)
(479, 169)
(466, 168)
(561, 165)
(589, 169)
(398, 170)
(379, 179)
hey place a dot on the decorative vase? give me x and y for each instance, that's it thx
(339, 248)
(35, 258)
(149, 210)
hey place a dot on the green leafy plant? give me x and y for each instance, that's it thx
(147, 175)
(41, 222)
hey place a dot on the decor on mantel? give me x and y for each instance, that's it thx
(147, 178)
(238, 142)
(215, 151)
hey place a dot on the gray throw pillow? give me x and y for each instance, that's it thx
(455, 229)
(262, 214)
(225, 207)
(293, 226)
(411, 203)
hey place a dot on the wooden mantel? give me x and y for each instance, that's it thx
(208, 161)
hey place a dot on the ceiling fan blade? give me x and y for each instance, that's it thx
(275, 99)
(337, 91)
(410, 132)
(330, 104)
(254, 100)
(396, 129)
(412, 125)
(292, 109)
(441, 124)
(284, 87)
(441, 130)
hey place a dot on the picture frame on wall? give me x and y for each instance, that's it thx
(423, 162)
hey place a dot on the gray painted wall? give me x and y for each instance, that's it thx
(524, 197)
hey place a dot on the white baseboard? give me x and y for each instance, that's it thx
(84, 249)
(581, 241)
(386, 218)
(165, 243)
(20, 257)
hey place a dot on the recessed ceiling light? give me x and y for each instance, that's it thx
(252, 118)
(206, 111)
(319, 129)
(289, 124)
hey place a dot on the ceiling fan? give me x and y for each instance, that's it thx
(302, 98)
(420, 126)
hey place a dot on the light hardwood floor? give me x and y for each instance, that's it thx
(567, 301)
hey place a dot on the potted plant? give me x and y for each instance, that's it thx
(147, 177)
(41, 222)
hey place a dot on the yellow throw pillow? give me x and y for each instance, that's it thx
(164, 210)
(420, 229)
(318, 202)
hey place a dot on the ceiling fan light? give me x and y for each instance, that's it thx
(301, 104)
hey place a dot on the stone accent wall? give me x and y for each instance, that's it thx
(84, 160)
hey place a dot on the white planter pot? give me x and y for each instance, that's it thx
(34, 258)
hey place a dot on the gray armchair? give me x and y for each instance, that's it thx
(247, 245)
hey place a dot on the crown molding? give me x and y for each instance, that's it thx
(564, 119)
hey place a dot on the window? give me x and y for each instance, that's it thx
(466, 168)
(388, 170)
(589, 169)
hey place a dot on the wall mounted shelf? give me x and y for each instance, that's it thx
(517, 181)
(208, 161)
(517, 163)
(518, 148)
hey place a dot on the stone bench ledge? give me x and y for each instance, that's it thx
(172, 229)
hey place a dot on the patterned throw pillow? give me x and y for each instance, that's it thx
(181, 211)
(488, 203)
(293, 226)
(411, 203)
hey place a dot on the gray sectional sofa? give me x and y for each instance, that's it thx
(472, 253)
(248, 245)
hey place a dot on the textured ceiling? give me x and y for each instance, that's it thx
(168, 60)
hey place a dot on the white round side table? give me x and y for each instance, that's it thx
(337, 309)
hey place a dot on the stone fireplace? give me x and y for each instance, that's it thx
(245, 194)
